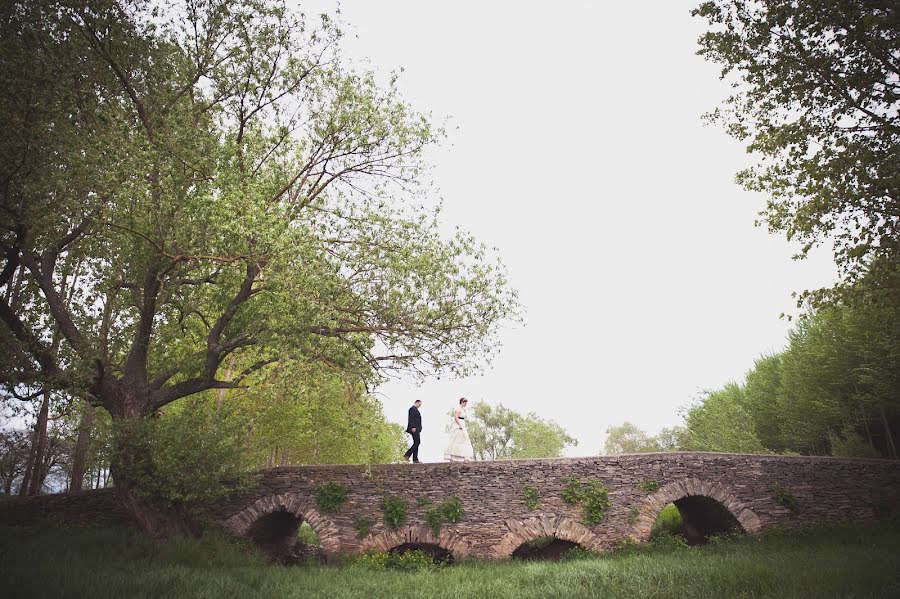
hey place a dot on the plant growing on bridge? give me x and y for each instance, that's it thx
(648, 486)
(422, 501)
(571, 491)
(362, 524)
(531, 497)
(451, 509)
(633, 515)
(394, 510)
(331, 496)
(593, 496)
(435, 519)
(784, 497)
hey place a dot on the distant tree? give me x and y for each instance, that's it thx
(628, 438)
(500, 433)
(817, 92)
(720, 423)
(14, 447)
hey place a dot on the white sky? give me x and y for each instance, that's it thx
(577, 149)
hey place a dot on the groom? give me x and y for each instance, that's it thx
(414, 427)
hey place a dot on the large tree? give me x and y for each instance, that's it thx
(817, 100)
(222, 186)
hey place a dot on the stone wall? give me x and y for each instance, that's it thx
(497, 520)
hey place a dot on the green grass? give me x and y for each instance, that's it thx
(839, 561)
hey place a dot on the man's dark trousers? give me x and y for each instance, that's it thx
(414, 450)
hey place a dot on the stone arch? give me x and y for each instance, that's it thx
(291, 503)
(693, 487)
(418, 535)
(523, 531)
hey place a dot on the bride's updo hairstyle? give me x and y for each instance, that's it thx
(462, 400)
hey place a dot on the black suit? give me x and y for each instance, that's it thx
(414, 427)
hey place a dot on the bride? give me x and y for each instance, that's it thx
(460, 448)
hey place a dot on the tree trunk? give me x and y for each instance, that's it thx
(887, 433)
(37, 479)
(79, 460)
(154, 520)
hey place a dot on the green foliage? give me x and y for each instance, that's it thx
(628, 438)
(668, 541)
(596, 502)
(434, 518)
(451, 509)
(47, 561)
(500, 433)
(579, 553)
(331, 496)
(593, 496)
(668, 521)
(571, 491)
(405, 561)
(832, 391)
(784, 497)
(531, 496)
(648, 486)
(821, 138)
(719, 423)
(422, 501)
(186, 457)
(306, 534)
(363, 526)
(394, 510)
(634, 515)
(232, 197)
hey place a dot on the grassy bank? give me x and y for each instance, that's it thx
(837, 561)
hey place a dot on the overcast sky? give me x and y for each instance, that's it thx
(577, 148)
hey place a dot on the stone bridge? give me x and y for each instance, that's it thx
(714, 493)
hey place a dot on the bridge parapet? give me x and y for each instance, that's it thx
(707, 487)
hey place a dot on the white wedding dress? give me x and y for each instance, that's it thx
(460, 448)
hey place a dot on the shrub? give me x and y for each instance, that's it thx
(422, 501)
(307, 535)
(152, 453)
(410, 561)
(407, 561)
(668, 521)
(667, 540)
(331, 496)
(531, 497)
(648, 486)
(578, 552)
(394, 510)
(363, 525)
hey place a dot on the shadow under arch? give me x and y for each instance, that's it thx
(412, 536)
(559, 527)
(704, 506)
(272, 522)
